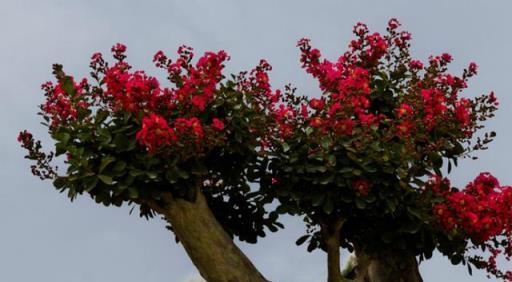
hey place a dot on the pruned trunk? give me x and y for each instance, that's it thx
(387, 267)
(209, 247)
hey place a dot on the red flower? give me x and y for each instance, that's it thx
(192, 126)
(217, 124)
(199, 101)
(473, 68)
(317, 104)
(416, 64)
(344, 126)
(404, 128)
(404, 110)
(361, 186)
(462, 111)
(393, 24)
(446, 57)
(315, 122)
(155, 133)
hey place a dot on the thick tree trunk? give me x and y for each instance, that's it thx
(209, 247)
(386, 267)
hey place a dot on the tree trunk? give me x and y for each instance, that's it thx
(331, 236)
(209, 247)
(386, 267)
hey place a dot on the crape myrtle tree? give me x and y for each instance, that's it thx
(186, 152)
(361, 164)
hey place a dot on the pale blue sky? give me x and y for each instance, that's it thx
(44, 237)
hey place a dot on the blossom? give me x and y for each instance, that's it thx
(393, 24)
(315, 122)
(415, 64)
(361, 186)
(446, 57)
(217, 124)
(63, 103)
(473, 68)
(404, 110)
(405, 127)
(344, 126)
(189, 127)
(155, 133)
(317, 104)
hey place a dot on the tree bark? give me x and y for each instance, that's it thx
(209, 247)
(331, 237)
(386, 267)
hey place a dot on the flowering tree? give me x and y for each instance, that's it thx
(355, 162)
(361, 164)
(186, 152)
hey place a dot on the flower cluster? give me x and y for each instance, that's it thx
(155, 132)
(63, 101)
(131, 92)
(351, 85)
(170, 114)
(482, 211)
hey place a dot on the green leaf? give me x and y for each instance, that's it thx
(133, 193)
(286, 147)
(101, 116)
(119, 166)
(152, 175)
(105, 162)
(60, 182)
(318, 199)
(106, 179)
(122, 143)
(301, 240)
(136, 172)
(360, 203)
(63, 137)
(326, 143)
(68, 86)
(90, 183)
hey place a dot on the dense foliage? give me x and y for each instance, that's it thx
(129, 139)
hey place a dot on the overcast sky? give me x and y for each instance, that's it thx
(45, 237)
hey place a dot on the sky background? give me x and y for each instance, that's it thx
(45, 237)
